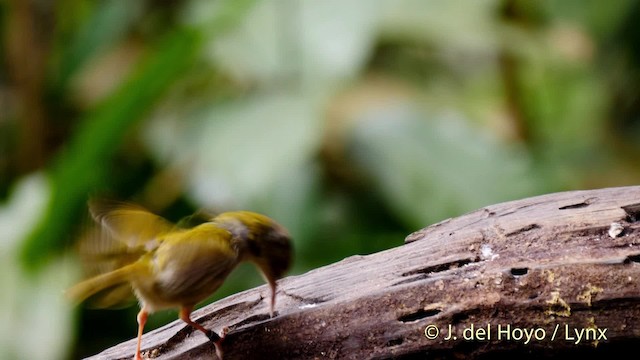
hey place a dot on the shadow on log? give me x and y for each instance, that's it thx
(548, 276)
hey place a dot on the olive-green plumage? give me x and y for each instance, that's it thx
(179, 267)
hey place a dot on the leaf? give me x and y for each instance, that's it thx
(313, 42)
(82, 166)
(235, 152)
(107, 24)
(36, 321)
(427, 168)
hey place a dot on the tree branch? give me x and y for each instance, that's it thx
(543, 276)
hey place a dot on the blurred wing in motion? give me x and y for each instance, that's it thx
(131, 224)
(123, 234)
(99, 254)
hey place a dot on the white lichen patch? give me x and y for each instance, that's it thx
(616, 229)
(307, 306)
(486, 252)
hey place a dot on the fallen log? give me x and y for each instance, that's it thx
(547, 276)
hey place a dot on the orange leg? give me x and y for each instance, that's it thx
(272, 285)
(142, 319)
(185, 315)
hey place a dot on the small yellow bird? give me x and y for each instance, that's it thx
(177, 268)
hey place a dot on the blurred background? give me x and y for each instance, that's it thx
(351, 122)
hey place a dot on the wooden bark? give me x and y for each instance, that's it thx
(547, 266)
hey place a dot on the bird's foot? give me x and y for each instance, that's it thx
(217, 339)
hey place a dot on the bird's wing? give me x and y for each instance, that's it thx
(197, 218)
(131, 224)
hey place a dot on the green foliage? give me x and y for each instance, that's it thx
(428, 169)
(77, 171)
(107, 24)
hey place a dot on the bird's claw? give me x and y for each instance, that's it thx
(217, 339)
(213, 336)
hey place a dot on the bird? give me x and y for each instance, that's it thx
(168, 266)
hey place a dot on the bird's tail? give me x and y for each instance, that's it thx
(83, 290)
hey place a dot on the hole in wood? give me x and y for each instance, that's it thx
(633, 212)
(632, 259)
(524, 229)
(442, 267)
(459, 317)
(410, 280)
(519, 271)
(583, 204)
(395, 342)
(308, 301)
(236, 307)
(254, 319)
(418, 315)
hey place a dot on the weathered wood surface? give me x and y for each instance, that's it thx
(545, 265)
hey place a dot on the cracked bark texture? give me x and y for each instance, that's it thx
(551, 265)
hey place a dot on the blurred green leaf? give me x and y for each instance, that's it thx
(83, 164)
(428, 168)
(591, 14)
(109, 22)
(236, 151)
(315, 43)
(469, 25)
(295, 199)
(36, 320)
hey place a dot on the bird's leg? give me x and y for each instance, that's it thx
(142, 319)
(272, 285)
(185, 315)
